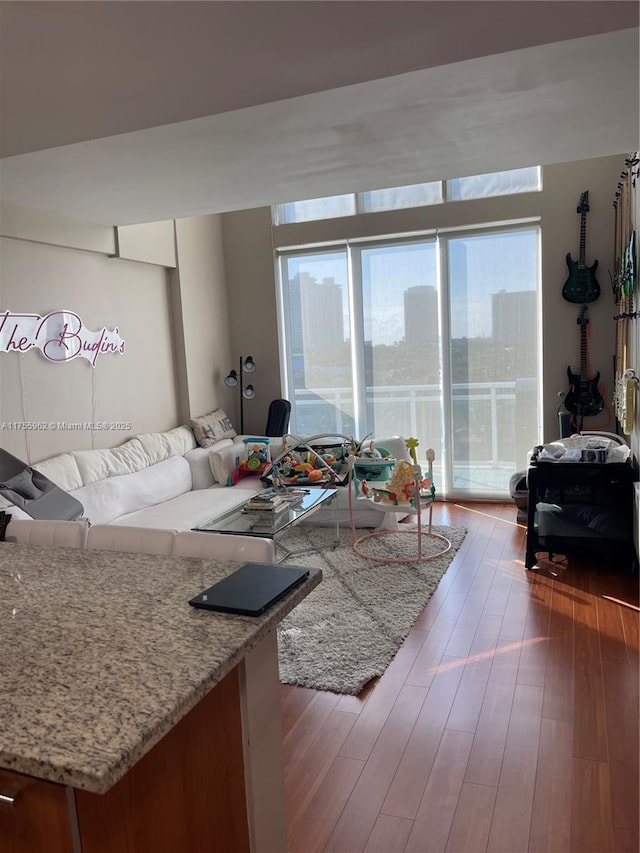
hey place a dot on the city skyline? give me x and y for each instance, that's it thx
(480, 268)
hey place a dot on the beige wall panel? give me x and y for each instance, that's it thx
(43, 227)
(137, 387)
(150, 242)
(202, 314)
(560, 234)
(252, 304)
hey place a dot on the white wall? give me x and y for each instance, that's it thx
(252, 307)
(168, 371)
(137, 387)
(202, 314)
(249, 241)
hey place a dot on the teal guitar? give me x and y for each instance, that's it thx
(582, 285)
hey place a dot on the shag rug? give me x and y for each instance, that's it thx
(348, 629)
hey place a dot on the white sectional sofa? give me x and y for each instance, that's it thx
(165, 482)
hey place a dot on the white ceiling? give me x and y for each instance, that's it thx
(124, 112)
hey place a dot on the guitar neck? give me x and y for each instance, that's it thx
(583, 352)
(583, 239)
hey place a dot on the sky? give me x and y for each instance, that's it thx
(479, 265)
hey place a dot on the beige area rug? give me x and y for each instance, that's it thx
(349, 628)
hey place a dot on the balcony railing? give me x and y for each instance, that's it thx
(494, 424)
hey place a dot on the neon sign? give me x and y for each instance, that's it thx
(60, 336)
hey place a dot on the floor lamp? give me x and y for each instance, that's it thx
(234, 380)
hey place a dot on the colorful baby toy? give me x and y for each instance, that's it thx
(401, 488)
(257, 459)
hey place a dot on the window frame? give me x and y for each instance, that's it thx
(278, 217)
(353, 249)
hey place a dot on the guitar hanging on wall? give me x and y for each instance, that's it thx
(582, 285)
(584, 399)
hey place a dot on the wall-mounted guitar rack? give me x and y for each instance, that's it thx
(624, 283)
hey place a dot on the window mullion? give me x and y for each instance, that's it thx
(356, 330)
(445, 356)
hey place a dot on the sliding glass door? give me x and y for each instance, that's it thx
(493, 363)
(400, 377)
(435, 339)
(315, 317)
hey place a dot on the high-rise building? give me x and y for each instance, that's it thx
(512, 313)
(420, 314)
(316, 315)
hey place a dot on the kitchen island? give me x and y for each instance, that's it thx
(130, 720)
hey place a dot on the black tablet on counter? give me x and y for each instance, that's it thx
(251, 589)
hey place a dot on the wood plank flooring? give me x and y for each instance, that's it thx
(507, 722)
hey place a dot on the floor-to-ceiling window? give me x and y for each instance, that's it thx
(493, 366)
(430, 335)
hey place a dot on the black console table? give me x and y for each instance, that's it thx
(582, 508)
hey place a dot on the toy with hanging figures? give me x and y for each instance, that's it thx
(323, 460)
(313, 461)
(408, 491)
(407, 485)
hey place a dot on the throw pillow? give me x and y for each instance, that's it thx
(211, 428)
(224, 461)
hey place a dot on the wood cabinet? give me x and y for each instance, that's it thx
(187, 793)
(38, 819)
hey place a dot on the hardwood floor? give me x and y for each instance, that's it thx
(507, 722)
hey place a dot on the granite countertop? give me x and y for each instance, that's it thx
(101, 655)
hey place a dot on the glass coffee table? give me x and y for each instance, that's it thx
(267, 526)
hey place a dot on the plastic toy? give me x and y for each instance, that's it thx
(401, 488)
(256, 462)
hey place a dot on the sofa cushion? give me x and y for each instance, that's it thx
(188, 510)
(105, 500)
(138, 540)
(211, 428)
(162, 445)
(201, 470)
(97, 465)
(62, 470)
(61, 534)
(247, 549)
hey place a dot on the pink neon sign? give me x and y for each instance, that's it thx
(60, 336)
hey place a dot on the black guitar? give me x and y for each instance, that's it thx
(583, 399)
(581, 286)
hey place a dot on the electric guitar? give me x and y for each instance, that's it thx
(581, 286)
(583, 399)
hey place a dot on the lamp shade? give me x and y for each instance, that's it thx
(249, 364)
(232, 379)
(249, 392)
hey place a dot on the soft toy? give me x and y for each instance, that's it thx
(401, 486)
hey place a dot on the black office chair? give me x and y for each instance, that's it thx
(278, 418)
